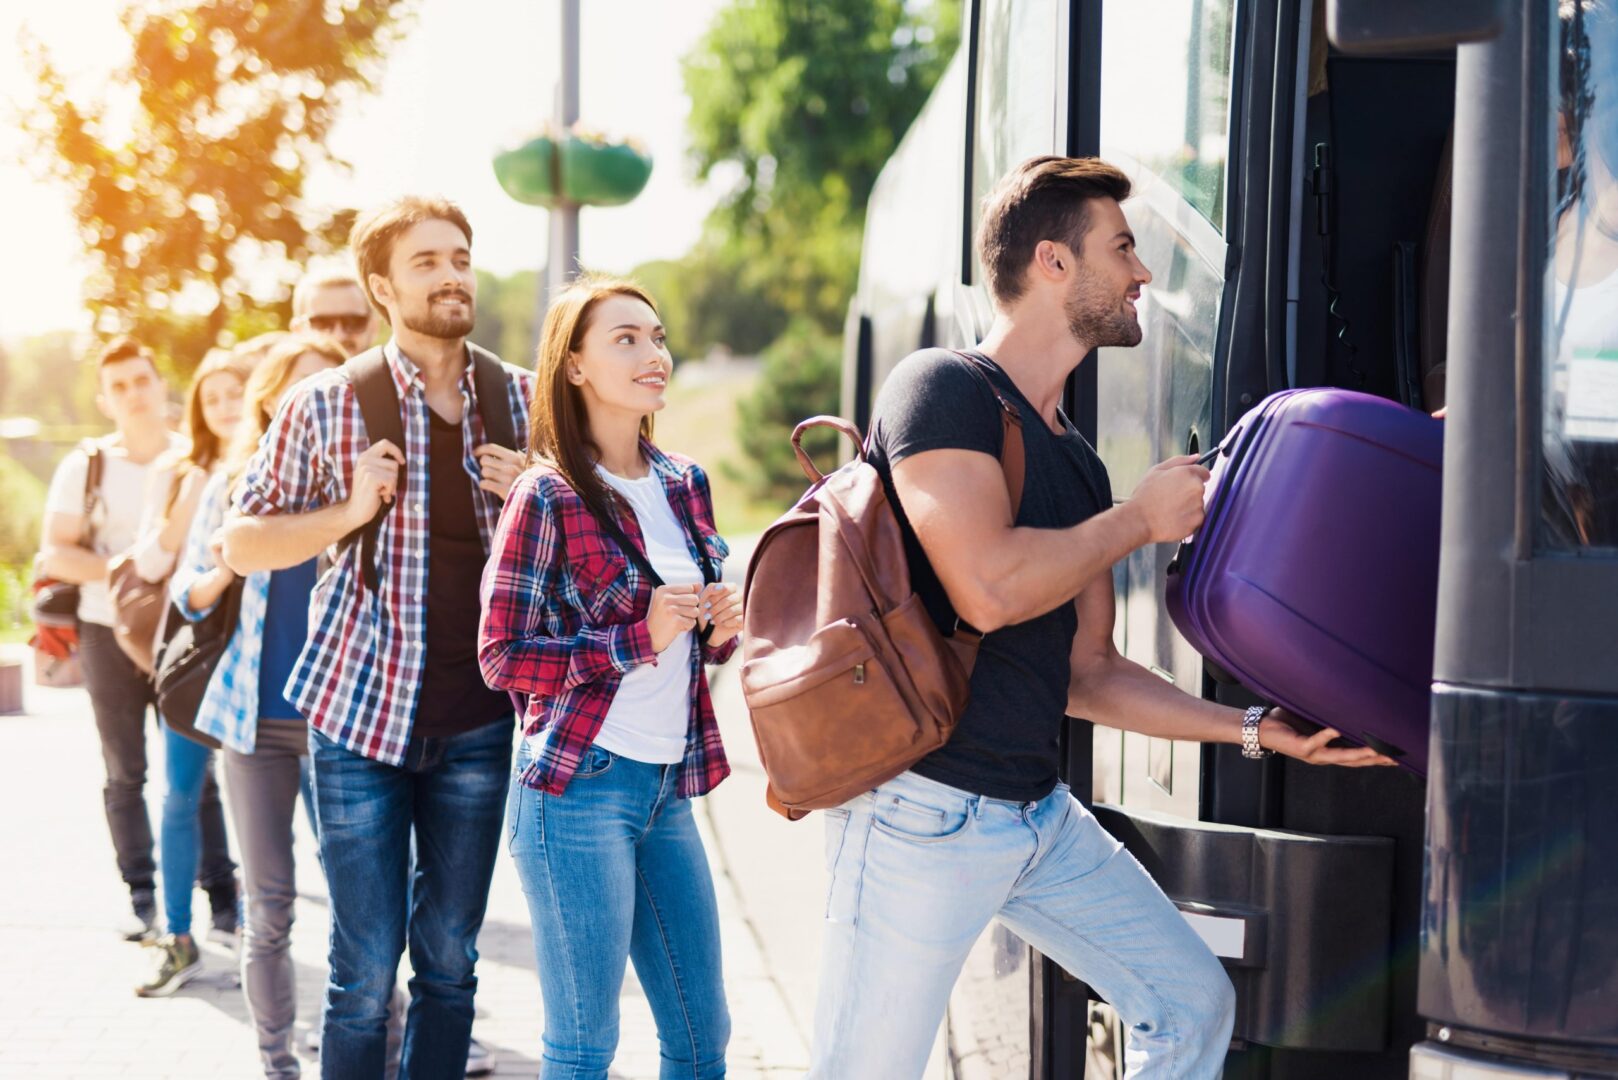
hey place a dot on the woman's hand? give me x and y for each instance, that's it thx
(672, 613)
(1276, 732)
(722, 609)
(216, 548)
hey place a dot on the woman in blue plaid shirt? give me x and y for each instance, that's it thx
(264, 739)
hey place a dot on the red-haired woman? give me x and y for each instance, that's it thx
(619, 733)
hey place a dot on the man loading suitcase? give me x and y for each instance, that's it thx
(981, 828)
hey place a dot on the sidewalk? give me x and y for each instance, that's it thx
(67, 1007)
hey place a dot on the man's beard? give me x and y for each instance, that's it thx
(444, 327)
(1094, 319)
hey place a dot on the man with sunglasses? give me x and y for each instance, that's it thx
(332, 302)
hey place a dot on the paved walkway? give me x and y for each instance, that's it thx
(67, 1007)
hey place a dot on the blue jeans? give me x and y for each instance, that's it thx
(918, 869)
(614, 871)
(186, 766)
(450, 791)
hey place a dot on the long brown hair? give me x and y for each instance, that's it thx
(559, 426)
(206, 447)
(269, 381)
(203, 448)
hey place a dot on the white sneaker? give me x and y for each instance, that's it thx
(479, 1062)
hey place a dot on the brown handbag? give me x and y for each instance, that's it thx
(846, 677)
(138, 611)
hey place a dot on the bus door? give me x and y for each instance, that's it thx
(1519, 926)
(1292, 203)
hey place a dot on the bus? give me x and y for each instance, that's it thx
(1414, 200)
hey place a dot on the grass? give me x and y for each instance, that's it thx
(700, 422)
(15, 626)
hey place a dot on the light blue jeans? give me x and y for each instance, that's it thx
(186, 764)
(614, 871)
(918, 869)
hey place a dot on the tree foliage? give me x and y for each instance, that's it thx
(23, 495)
(807, 99)
(799, 379)
(708, 298)
(189, 166)
(507, 316)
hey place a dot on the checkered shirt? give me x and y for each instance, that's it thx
(230, 708)
(359, 675)
(564, 618)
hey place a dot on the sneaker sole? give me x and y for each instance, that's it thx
(226, 940)
(181, 977)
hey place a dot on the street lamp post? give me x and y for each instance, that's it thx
(564, 238)
(566, 166)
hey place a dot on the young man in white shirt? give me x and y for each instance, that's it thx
(133, 396)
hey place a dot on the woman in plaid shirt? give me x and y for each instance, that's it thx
(619, 729)
(265, 740)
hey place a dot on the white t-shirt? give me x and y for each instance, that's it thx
(649, 716)
(119, 513)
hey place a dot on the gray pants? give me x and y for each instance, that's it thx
(262, 788)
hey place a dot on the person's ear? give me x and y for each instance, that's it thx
(381, 288)
(104, 405)
(571, 366)
(1052, 260)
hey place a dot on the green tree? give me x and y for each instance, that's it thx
(809, 98)
(798, 379)
(507, 310)
(23, 496)
(709, 298)
(231, 102)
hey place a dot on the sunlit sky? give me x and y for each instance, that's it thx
(471, 77)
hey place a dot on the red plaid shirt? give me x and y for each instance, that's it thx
(564, 618)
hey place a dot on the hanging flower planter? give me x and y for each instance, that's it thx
(574, 167)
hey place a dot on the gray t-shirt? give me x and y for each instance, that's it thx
(1005, 745)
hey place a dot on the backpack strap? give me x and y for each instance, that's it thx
(378, 398)
(492, 385)
(95, 466)
(1013, 461)
(644, 564)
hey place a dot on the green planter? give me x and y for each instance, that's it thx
(574, 168)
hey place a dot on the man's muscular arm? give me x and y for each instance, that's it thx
(1108, 689)
(997, 574)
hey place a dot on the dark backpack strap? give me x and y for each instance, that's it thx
(492, 386)
(1012, 459)
(96, 463)
(379, 406)
(644, 565)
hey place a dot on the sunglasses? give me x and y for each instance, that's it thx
(351, 324)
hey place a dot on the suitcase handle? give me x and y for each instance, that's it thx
(1224, 446)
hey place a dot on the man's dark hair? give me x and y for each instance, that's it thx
(1044, 198)
(123, 348)
(374, 233)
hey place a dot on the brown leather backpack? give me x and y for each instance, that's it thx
(846, 676)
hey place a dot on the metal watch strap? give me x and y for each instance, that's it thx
(1250, 722)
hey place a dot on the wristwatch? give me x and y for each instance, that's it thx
(1250, 722)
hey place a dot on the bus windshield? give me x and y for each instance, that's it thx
(1580, 425)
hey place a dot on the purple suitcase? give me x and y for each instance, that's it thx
(1314, 578)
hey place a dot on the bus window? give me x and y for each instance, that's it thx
(1580, 425)
(1165, 120)
(1018, 96)
(1170, 120)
